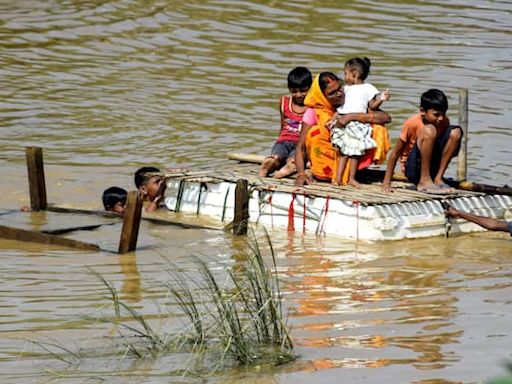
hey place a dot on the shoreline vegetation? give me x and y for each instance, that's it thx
(229, 318)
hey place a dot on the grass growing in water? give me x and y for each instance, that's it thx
(234, 316)
(244, 316)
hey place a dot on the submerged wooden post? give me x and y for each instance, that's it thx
(131, 222)
(462, 159)
(241, 217)
(36, 181)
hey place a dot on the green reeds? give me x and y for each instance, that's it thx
(246, 315)
(232, 316)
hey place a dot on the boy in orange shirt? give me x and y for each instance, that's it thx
(426, 145)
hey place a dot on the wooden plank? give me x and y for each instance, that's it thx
(241, 216)
(462, 160)
(131, 222)
(154, 220)
(36, 181)
(18, 234)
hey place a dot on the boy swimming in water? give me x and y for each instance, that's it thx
(152, 188)
(114, 199)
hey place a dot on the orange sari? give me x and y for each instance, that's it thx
(323, 156)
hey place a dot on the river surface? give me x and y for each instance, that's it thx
(108, 86)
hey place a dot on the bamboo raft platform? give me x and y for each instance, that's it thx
(365, 213)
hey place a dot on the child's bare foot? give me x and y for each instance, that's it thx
(354, 183)
(434, 189)
(266, 166)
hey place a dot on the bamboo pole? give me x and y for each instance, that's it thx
(131, 222)
(36, 181)
(462, 160)
(241, 216)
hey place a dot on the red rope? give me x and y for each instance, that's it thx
(326, 206)
(291, 214)
(304, 215)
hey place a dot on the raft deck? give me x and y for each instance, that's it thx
(365, 213)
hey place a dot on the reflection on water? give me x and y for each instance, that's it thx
(108, 86)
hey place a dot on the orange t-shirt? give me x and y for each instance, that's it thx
(409, 134)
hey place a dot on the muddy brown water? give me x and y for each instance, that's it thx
(106, 87)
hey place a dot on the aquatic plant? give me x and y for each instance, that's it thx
(231, 316)
(245, 315)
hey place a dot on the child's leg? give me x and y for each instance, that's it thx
(269, 164)
(287, 169)
(341, 167)
(354, 161)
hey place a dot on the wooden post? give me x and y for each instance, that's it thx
(131, 222)
(462, 159)
(36, 181)
(241, 216)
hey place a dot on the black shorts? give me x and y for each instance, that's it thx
(283, 150)
(413, 163)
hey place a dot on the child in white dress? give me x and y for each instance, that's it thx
(355, 138)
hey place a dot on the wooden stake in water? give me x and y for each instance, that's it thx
(241, 217)
(462, 160)
(131, 222)
(36, 181)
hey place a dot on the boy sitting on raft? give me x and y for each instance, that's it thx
(292, 110)
(426, 145)
(152, 188)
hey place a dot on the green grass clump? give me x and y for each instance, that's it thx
(240, 320)
(232, 316)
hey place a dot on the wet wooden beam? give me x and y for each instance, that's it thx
(36, 181)
(131, 222)
(241, 216)
(19, 234)
(462, 159)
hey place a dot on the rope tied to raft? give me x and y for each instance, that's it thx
(323, 217)
(304, 213)
(269, 201)
(291, 215)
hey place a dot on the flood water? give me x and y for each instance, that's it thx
(108, 86)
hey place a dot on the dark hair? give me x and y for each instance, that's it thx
(360, 65)
(324, 77)
(434, 99)
(299, 77)
(140, 175)
(112, 196)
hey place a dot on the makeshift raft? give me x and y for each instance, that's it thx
(366, 213)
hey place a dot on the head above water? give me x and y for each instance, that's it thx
(114, 199)
(149, 186)
(434, 99)
(356, 70)
(299, 82)
(331, 87)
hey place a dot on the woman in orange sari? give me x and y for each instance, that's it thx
(325, 95)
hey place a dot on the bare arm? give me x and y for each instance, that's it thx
(374, 117)
(486, 222)
(375, 103)
(393, 158)
(300, 157)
